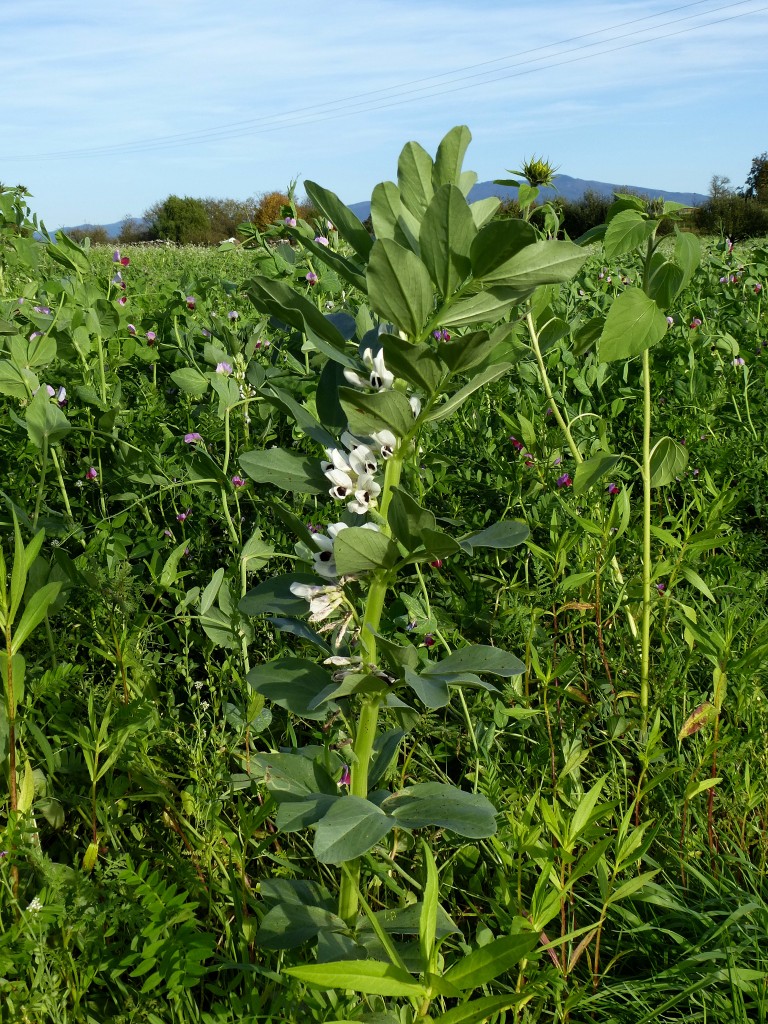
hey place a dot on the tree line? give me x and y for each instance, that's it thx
(736, 212)
(186, 220)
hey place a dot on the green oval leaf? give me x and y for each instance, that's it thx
(399, 287)
(588, 473)
(634, 323)
(668, 460)
(350, 828)
(357, 550)
(443, 806)
(445, 238)
(287, 470)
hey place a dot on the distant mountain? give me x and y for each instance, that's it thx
(113, 230)
(567, 188)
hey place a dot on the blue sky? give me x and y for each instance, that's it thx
(107, 108)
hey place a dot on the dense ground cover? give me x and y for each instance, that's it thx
(385, 622)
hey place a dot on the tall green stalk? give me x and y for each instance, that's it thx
(572, 446)
(368, 717)
(645, 641)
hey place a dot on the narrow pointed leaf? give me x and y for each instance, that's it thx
(371, 977)
(477, 1011)
(34, 613)
(486, 376)
(484, 964)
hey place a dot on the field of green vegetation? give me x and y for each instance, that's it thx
(383, 618)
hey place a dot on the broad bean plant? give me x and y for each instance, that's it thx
(406, 352)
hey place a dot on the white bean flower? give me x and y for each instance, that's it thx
(362, 460)
(386, 443)
(342, 484)
(379, 378)
(323, 600)
(366, 493)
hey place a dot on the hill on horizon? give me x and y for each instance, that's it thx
(566, 187)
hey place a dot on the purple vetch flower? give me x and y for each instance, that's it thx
(723, 280)
(45, 310)
(758, 288)
(517, 445)
(429, 640)
(670, 320)
(311, 277)
(92, 473)
(441, 334)
(122, 300)
(116, 256)
(61, 396)
(192, 438)
(183, 516)
(237, 481)
(131, 328)
(661, 587)
(346, 776)
(738, 361)
(224, 368)
(168, 534)
(191, 303)
(35, 334)
(557, 461)
(118, 278)
(321, 240)
(151, 336)
(206, 332)
(613, 489)
(233, 315)
(696, 322)
(564, 480)
(290, 222)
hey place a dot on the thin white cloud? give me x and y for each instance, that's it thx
(91, 76)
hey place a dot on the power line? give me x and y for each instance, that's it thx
(361, 102)
(317, 107)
